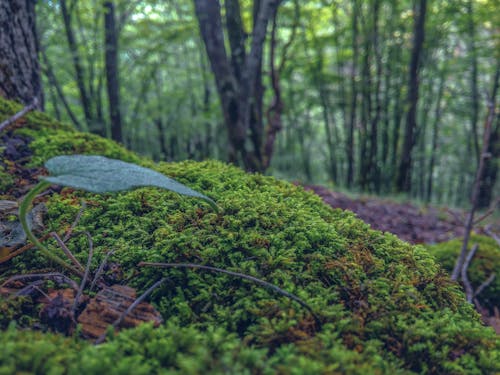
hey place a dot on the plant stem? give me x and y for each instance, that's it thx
(23, 215)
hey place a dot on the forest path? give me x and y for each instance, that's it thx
(414, 224)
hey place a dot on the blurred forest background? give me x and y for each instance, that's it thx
(376, 96)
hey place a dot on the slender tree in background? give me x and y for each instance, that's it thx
(238, 76)
(111, 58)
(78, 67)
(403, 183)
(486, 188)
(19, 66)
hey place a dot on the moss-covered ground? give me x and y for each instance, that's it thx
(486, 262)
(385, 307)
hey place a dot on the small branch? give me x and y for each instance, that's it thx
(492, 235)
(21, 113)
(485, 284)
(100, 269)
(21, 250)
(66, 251)
(26, 291)
(75, 222)
(469, 292)
(488, 213)
(132, 307)
(85, 275)
(236, 274)
(57, 277)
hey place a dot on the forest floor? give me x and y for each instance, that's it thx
(409, 222)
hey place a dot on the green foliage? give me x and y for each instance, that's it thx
(485, 262)
(173, 349)
(6, 180)
(386, 307)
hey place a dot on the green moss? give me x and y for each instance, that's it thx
(6, 180)
(385, 306)
(485, 262)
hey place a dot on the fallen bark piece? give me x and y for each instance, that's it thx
(108, 305)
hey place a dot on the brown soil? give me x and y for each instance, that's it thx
(408, 222)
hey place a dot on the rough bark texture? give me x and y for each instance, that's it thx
(491, 163)
(80, 80)
(238, 78)
(113, 83)
(404, 173)
(19, 67)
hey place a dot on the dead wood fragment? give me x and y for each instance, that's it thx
(21, 113)
(108, 305)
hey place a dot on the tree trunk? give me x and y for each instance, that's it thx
(403, 183)
(354, 97)
(237, 80)
(435, 134)
(491, 163)
(113, 83)
(473, 78)
(19, 67)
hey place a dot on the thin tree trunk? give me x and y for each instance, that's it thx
(435, 134)
(77, 65)
(373, 156)
(354, 96)
(490, 117)
(403, 183)
(19, 67)
(473, 78)
(112, 67)
(491, 163)
(49, 72)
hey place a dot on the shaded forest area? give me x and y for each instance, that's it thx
(378, 96)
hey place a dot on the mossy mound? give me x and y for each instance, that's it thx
(384, 306)
(486, 261)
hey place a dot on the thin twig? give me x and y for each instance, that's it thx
(21, 250)
(85, 275)
(237, 274)
(54, 276)
(489, 212)
(132, 307)
(27, 289)
(469, 292)
(492, 235)
(42, 293)
(485, 284)
(21, 113)
(75, 222)
(100, 269)
(66, 251)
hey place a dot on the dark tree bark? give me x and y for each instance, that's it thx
(491, 116)
(113, 83)
(403, 182)
(473, 78)
(491, 163)
(19, 66)
(435, 134)
(238, 78)
(354, 96)
(77, 65)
